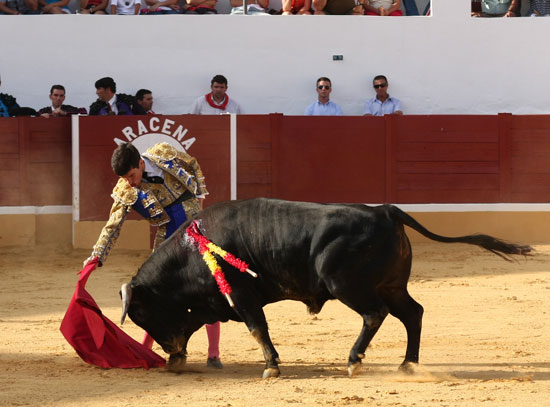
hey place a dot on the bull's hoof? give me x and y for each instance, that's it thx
(408, 367)
(354, 368)
(176, 363)
(271, 372)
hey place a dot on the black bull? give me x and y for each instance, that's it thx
(301, 251)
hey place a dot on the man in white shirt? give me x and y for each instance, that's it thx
(217, 101)
(125, 7)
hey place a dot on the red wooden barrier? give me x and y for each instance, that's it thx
(329, 159)
(400, 159)
(35, 161)
(254, 155)
(446, 159)
(529, 149)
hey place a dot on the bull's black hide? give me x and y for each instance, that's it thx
(301, 251)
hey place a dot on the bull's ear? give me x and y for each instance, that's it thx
(126, 295)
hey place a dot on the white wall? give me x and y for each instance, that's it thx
(449, 63)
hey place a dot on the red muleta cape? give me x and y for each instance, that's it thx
(96, 339)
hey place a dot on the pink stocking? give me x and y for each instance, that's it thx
(213, 332)
(148, 341)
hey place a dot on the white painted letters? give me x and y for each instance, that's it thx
(179, 133)
(141, 128)
(166, 127)
(154, 131)
(129, 133)
(153, 127)
(187, 143)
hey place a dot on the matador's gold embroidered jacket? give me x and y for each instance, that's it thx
(182, 173)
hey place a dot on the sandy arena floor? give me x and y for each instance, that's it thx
(485, 341)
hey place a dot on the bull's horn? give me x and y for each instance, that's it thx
(126, 293)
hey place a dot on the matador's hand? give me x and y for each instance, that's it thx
(89, 260)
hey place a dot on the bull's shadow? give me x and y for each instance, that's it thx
(431, 372)
(498, 371)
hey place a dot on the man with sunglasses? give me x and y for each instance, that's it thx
(323, 106)
(383, 103)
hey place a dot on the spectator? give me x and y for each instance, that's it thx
(25, 111)
(383, 7)
(217, 101)
(200, 7)
(338, 7)
(125, 7)
(323, 106)
(57, 96)
(254, 7)
(8, 104)
(93, 6)
(144, 102)
(498, 8)
(382, 103)
(412, 10)
(109, 102)
(10, 108)
(155, 7)
(54, 6)
(539, 8)
(19, 7)
(296, 7)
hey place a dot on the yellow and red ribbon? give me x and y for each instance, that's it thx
(207, 249)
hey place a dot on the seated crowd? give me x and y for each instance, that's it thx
(216, 101)
(480, 8)
(254, 7)
(109, 102)
(510, 8)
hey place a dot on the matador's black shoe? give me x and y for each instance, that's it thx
(214, 363)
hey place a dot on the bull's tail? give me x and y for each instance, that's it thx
(490, 243)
